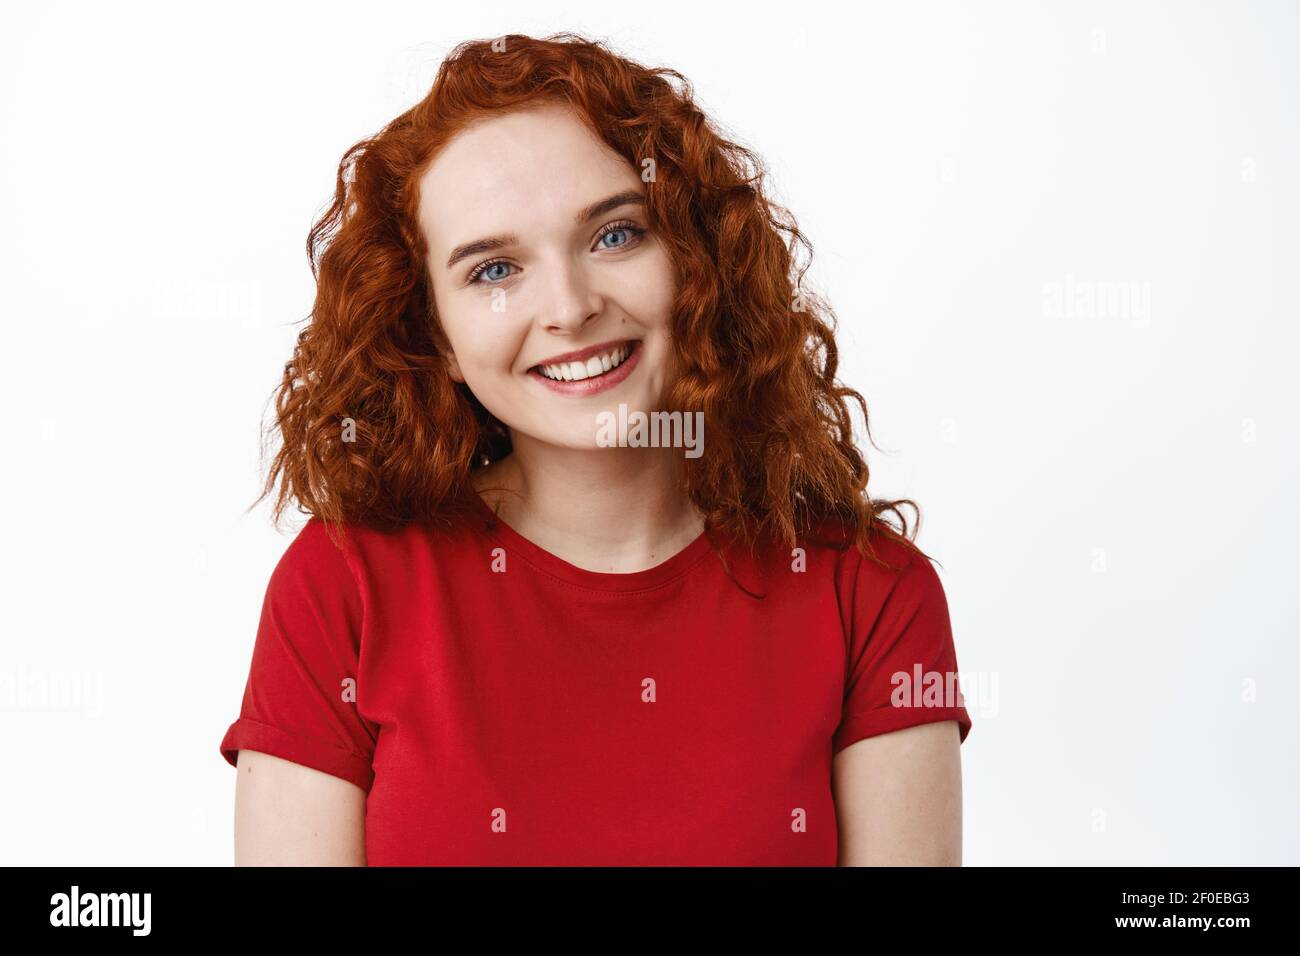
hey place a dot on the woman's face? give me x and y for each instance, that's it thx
(539, 258)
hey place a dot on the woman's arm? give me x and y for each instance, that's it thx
(290, 815)
(898, 798)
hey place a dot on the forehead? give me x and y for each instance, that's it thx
(519, 170)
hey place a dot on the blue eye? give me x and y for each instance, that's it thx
(618, 234)
(623, 234)
(614, 236)
(490, 271)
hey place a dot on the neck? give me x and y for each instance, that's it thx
(616, 510)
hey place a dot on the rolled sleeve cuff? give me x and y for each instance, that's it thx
(246, 734)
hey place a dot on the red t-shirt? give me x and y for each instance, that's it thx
(502, 706)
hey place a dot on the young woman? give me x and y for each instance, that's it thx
(521, 629)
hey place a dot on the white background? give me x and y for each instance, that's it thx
(1111, 492)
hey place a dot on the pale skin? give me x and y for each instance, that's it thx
(290, 815)
(898, 798)
(530, 176)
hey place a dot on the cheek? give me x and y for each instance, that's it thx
(645, 288)
(484, 341)
(650, 288)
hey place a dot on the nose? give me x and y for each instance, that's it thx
(571, 300)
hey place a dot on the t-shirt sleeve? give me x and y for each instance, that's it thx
(902, 663)
(300, 700)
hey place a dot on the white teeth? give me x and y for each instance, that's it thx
(596, 365)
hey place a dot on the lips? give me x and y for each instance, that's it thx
(594, 369)
(587, 363)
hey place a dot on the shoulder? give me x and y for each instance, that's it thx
(319, 545)
(326, 551)
(831, 562)
(318, 556)
(889, 570)
(886, 557)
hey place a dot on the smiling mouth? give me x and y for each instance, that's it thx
(591, 368)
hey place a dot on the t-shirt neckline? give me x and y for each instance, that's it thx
(661, 573)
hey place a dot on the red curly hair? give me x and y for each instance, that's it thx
(756, 352)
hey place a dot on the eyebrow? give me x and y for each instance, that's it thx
(598, 208)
